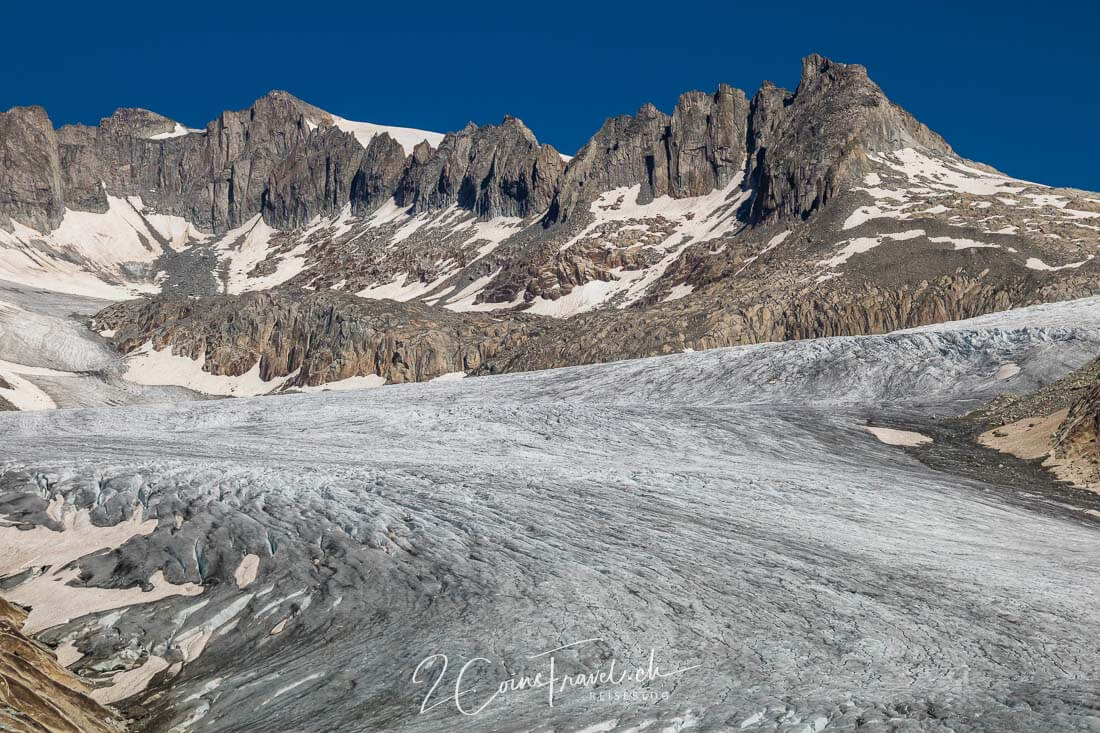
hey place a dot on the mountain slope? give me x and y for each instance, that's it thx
(824, 211)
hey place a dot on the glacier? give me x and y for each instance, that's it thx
(304, 562)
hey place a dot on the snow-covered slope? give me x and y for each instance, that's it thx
(108, 255)
(407, 137)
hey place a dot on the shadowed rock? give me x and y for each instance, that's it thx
(30, 169)
(808, 145)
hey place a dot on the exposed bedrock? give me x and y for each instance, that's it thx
(493, 170)
(808, 145)
(701, 147)
(291, 161)
(324, 336)
(30, 169)
(319, 337)
(37, 694)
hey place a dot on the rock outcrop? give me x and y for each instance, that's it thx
(215, 178)
(383, 164)
(315, 179)
(493, 170)
(1076, 443)
(37, 694)
(314, 337)
(700, 148)
(626, 151)
(30, 169)
(289, 160)
(706, 141)
(808, 145)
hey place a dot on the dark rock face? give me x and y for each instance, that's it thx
(493, 170)
(215, 179)
(701, 147)
(281, 157)
(314, 180)
(244, 149)
(808, 145)
(80, 169)
(30, 169)
(380, 173)
(285, 159)
(626, 151)
(706, 141)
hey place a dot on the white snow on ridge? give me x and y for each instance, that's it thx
(775, 241)
(463, 300)
(401, 289)
(407, 137)
(941, 175)
(963, 243)
(679, 291)
(245, 247)
(179, 131)
(586, 297)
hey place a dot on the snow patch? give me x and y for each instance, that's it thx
(369, 381)
(1034, 263)
(23, 394)
(962, 243)
(679, 291)
(407, 137)
(943, 175)
(449, 377)
(898, 437)
(860, 245)
(178, 131)
(149, 366)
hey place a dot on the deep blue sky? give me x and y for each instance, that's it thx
(1010, 83)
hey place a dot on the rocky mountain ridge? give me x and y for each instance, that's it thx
(824, 211)
(291, 161)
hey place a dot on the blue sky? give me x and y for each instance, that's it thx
(1009, 83)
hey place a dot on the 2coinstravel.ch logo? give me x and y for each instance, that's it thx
(610, 682)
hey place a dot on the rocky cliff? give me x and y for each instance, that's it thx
(315, 337)
(291, 161)
(1076, 441)
(309, 338)
(493, 170)
(823, 211)
(701, 147)
(37, 694)
(808, 145)
(30, 169)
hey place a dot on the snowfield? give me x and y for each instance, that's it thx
(289, 563)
